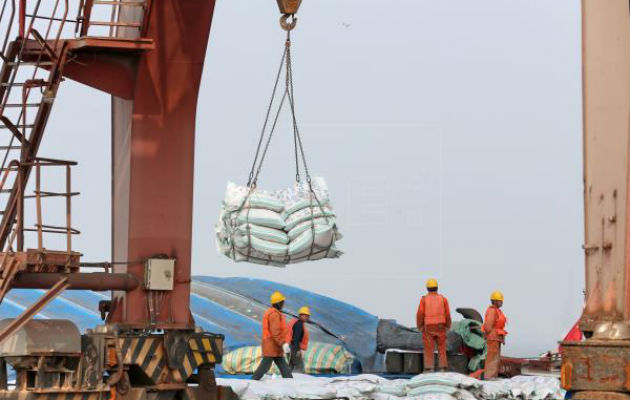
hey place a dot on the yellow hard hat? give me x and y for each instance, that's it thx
(496, 296)
(304, 311)
(432, 283)
(277, 297)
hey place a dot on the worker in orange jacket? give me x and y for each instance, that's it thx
(274, 343)
(494, 332)
(297, 338)
(433, 319)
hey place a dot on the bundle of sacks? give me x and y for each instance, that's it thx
(319, 358)
(278, 227)
(438, 386)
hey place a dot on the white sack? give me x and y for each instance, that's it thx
(277, 228)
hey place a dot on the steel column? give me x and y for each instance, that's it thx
(153, 160)
(606, 86)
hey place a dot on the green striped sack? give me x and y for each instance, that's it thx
(320, 358)
(261, 232)
(325, 358)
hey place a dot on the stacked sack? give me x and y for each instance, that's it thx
(441, 386)
(278, 228)
(319, 358)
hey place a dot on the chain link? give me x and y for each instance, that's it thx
(264, 128)
(259, 158)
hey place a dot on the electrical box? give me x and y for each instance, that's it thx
(159, 274)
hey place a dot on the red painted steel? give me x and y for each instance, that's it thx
(153, 127)
(154, 80)
(97, 281)
(153, 161)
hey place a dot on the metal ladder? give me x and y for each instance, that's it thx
(29, 78)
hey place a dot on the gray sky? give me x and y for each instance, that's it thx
(449, 133)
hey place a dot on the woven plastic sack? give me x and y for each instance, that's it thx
(307, 225)
(262, 217)
(236, 197)
(243, 243)
(535, 387)
(320, 358)
(288, 226)
(492, 390)
(261, 232)
(384, 396)
(430, 389)
(464, 395)
(432, 396)
(256, 257)
(395, 388)
(443, 379)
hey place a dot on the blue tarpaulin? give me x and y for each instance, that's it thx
(233, 307)
(350, 325)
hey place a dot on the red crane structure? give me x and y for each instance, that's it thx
(599, 367)
(149, 56)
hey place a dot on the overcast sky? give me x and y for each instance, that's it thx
(449, 133)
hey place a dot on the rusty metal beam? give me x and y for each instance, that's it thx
(154, 142)
(97, 281)
(36, 307)
(111, 73)
(606, 91)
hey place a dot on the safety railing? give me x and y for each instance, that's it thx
(39, 194)
(33, 52)
(29, 77)
(39, 227)
(112, 18)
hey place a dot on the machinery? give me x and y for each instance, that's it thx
(149, 56)
(599, 367)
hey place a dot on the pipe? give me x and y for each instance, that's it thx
(96, 281)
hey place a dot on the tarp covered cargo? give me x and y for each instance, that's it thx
(230, 306)
(392, 335)
(353, 327)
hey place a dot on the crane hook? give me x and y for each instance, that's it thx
(285, 24)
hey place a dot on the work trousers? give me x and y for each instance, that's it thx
(265, 364)
(296, 363)
(493, 359)
(430, 335)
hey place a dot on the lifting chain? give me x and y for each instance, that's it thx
(288, 22)
(287, 96)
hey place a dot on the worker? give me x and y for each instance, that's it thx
(274, 343)
(494, 332)
(433, 319)
(298, 339)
